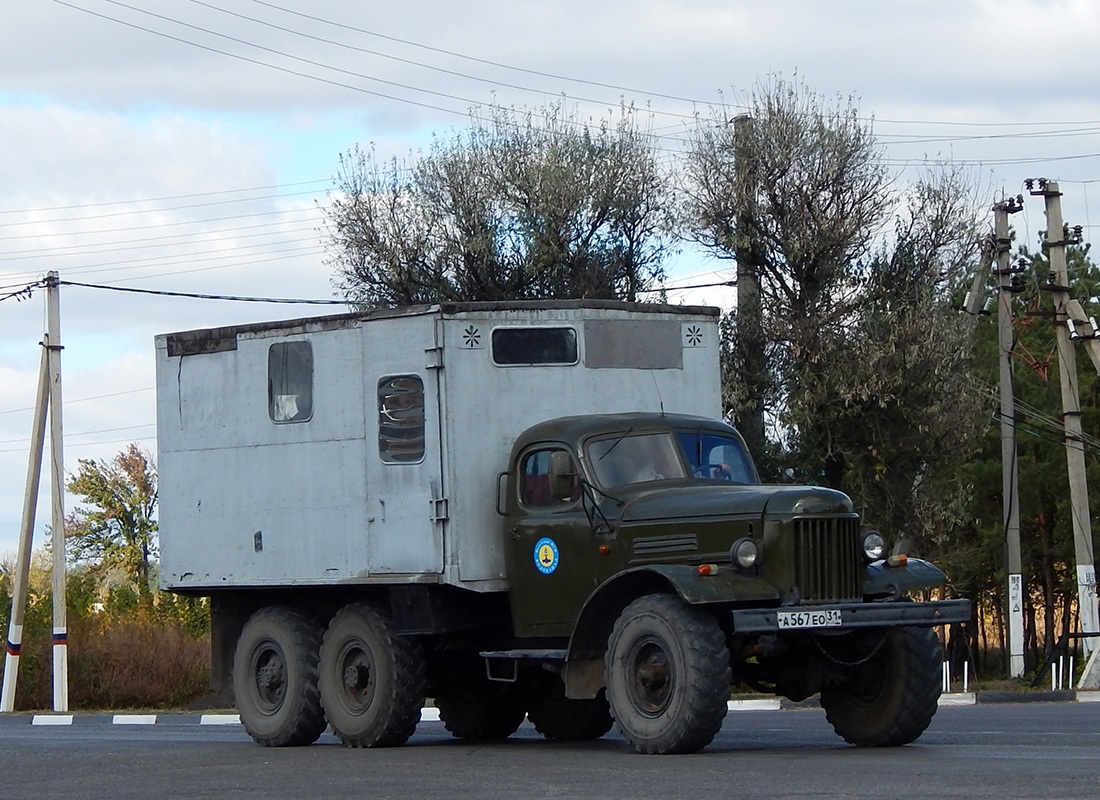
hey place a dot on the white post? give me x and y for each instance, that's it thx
(57, 492)
(26, 536)
(1010, 491)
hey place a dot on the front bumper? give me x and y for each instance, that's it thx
(853, 616)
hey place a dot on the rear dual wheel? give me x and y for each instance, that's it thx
(371, 679)
(275, 677)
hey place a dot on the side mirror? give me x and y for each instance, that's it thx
(562, 474)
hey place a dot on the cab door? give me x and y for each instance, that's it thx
(553, 556)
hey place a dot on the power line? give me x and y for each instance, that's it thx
(144, 227)
(257, 62)
(199, 296)
(482, 60)
(468, 101)
(166, 198)
(406, 60)
(91, 444)
(83, 399)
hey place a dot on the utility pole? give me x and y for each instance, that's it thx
(47, 399)
(750, 318)
(1058, 285)
(1010, 491)
(57, 495)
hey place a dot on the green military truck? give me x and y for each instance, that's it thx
(521, 510)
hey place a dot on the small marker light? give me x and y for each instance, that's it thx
(899, 560)
(707, 569)
(604, 549)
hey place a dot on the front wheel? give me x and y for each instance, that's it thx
(668, 675)
(275, 677)
(372, 679)
(889, 699)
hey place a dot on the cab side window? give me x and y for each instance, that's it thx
(534, 488)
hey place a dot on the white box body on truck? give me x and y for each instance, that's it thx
(366, 448)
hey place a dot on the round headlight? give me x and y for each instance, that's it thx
(874, 546)
(745, 553)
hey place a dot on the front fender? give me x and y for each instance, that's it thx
(726, 586)
(917, 573)
(584, 666)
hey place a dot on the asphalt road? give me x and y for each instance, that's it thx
(1048, 750)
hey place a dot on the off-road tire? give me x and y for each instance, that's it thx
(890, 699)
(275, 677)
(555, 716)
(371, 679)
(473, 707)
(668, 675)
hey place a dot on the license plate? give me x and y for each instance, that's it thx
(825, 618)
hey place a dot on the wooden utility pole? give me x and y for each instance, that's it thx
(1010, 492)
(1058, 285)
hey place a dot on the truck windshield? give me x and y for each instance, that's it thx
(635, 458)
(716, 457)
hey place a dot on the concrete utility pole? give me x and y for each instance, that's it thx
(26, 536)
(1010, 491)
(48, 399)
(57, 495)
(1071, 412)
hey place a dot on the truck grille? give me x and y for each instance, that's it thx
(827, 559)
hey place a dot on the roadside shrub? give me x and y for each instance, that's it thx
(125, 650)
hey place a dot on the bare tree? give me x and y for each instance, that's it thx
(860, 348)
(520, 206)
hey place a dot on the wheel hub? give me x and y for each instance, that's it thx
(652, 677)
(270, 676)
(357, 677)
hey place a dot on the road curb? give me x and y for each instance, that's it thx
(431, 714)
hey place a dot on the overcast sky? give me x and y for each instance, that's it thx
(184, 146)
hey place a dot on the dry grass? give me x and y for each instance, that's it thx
(134, 662)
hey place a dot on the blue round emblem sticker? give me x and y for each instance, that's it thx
(546, 555)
